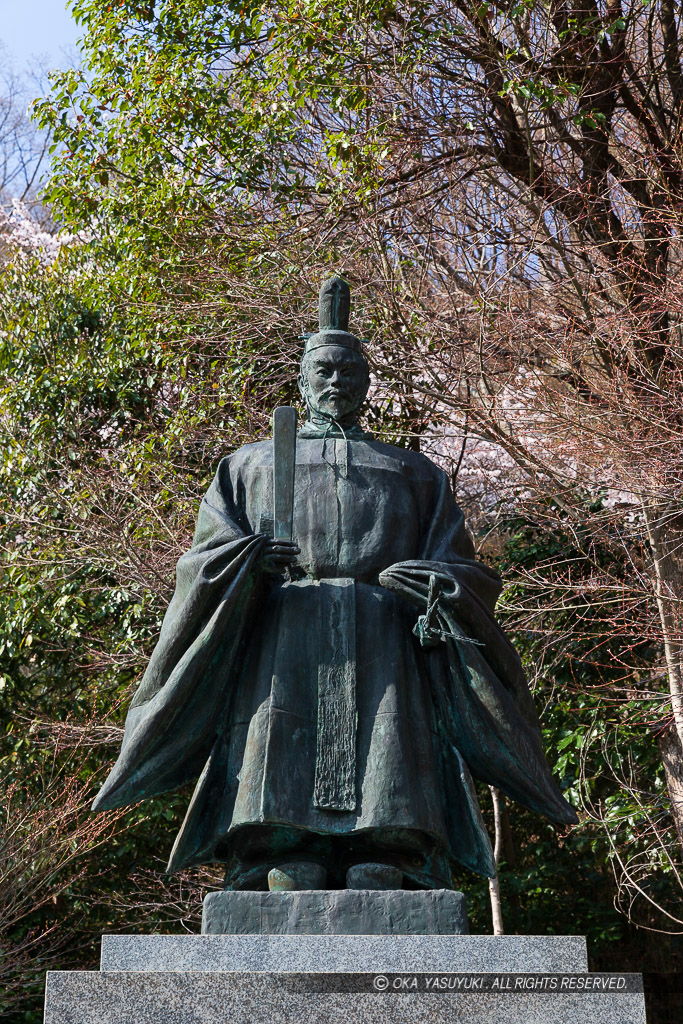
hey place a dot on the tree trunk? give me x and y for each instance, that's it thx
(666, 541)
(494, 883)
(671, 752)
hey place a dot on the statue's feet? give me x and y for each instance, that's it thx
(297, 876)
(373, 876)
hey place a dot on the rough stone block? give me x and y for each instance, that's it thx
(336, 912)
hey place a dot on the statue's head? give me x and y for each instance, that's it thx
(334, 377)
(334, 381)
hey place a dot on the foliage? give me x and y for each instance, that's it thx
(502, 182)
(600, 712)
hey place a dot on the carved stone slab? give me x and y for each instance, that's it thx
(336, 912)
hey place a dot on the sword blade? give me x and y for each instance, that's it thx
(284, 460)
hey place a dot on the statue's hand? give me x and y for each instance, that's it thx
(278, 555)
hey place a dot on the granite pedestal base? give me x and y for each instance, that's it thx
(205, 997)
(336, 954)
(281, 977)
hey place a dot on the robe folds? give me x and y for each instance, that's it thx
(303, 706)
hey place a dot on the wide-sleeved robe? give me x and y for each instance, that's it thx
(311, 719)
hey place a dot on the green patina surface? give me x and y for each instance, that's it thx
(333, 696)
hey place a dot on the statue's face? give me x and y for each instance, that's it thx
(334, 381)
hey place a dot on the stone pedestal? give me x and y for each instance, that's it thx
(337, 954)
(216, 997)
(266, 973)
(336, 912)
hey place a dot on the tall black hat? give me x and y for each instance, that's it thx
(334, 305)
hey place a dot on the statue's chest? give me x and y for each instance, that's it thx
(352, 517)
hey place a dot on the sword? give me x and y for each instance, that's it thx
(284, 460)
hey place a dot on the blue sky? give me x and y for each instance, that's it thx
(37, 28)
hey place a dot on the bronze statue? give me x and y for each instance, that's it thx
(333, 695)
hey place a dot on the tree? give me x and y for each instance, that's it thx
(23, 147)
(448, 158)
(511, 175)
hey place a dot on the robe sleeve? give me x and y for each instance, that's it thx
(483, 696)
(184, 694)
